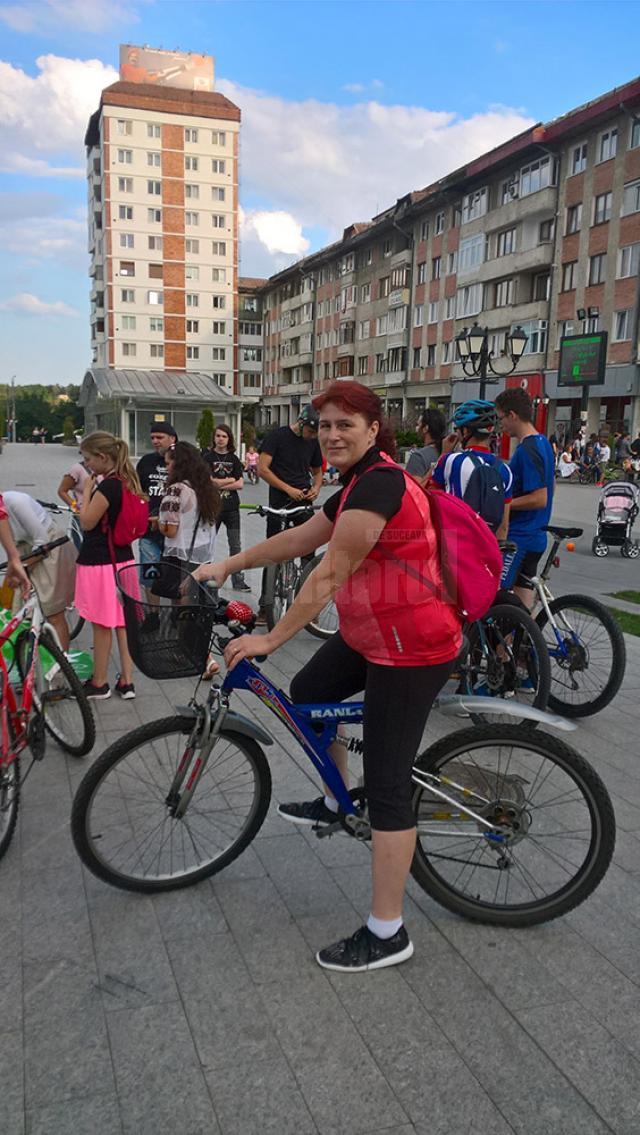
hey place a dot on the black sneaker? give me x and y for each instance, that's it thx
(126, 690)
(313, 813)
(97, 693)
(364, 951)
(241, 586)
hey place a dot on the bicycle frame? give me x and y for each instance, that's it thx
(18, 715)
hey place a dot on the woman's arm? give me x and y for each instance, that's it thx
(227, 482)
(94, 506)
(286, 545)
(170, 504)
(64, 488)
(16, 574)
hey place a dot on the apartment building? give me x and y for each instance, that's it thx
(162, 165)
(543, 233)
(250, 335)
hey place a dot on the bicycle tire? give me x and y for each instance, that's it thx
(325, 623)
(75, 622)
(503, 679)
(615, 667)
(91, 840)
(479, 744)
(78, 736)
(9, 803)
(272, 599)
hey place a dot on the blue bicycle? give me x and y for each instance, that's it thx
(514, 827)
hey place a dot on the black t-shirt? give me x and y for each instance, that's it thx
(293, 458)
(152, 471)
(223, 466)
(381, 491)
(95, 545)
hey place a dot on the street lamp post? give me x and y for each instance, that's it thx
(476, 357)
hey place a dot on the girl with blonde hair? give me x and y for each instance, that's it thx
(96, 597)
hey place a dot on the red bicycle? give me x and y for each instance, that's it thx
(40, 694)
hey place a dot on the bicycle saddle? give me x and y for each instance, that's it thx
(564, 533)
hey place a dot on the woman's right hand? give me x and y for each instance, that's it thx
(216, 572)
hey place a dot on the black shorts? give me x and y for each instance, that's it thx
(517, 566)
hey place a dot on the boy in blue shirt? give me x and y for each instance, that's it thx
(533, 469)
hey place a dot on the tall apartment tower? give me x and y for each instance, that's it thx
(162, 161)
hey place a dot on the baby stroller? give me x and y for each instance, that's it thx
(618, 507)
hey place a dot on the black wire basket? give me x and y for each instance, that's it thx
(170, 638)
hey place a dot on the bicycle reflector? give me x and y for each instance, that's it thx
(239, 611)
(556, 561)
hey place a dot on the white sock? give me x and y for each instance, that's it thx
(382, 927)
(331, 804)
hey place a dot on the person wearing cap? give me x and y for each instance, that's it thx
(152, 471)
(290, 462)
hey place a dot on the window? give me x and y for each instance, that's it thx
(579, 158)
(631, 198)
(124, 127)
(154, 243)
(452, 262)
(127, 268)
(537, 175)
(125, 185)
(193, 352)
(363, 365)
(438, 226)
(365, 293)
(541, 286)
(154, 216)
(565, 327)
(156, 324)
(381, 325)
(474, 205)
(191, 245)
(422, 272)
(436, 266)
(218, 221)
(128, 350)
(574, 218)
(126, 240)
(128, 322)
(468, 301)
(447, 352)
(431, 355)
(219, 248)
(363, 328)
(536, 331)
(418, 315)
(191, 272)
(569, 275)
(397, 359)
(250, 354)
(505, 293)
(191, 163)
(127, 295)
(417, 356)
(192, 192)
(397, 319)
(629, 260)
(366, 258)
(621, 325)
(510, 189)
(192, 299)
(193, 326)
(598, 268)
(219, 354)
(400, 277)
(634, 139)
(154, 159)
(219, 276)
(387, 247)
(433, 312)
(191, 218)
(424, 230)
(155, 271)
(471, 253)
(608, 145)
(125, 157)
(157, 350)
(218, 165)
(219, 327)
(155, 297)
(451, 307)
(125, 212)
(602, 208)
(546, 231)
(219, 377)
(218, 137)
(153, 129)
(219, 301)
(250, 328)
(154, 187)
(190, 135)
(506, 242)
(384, 286)
(218, 193)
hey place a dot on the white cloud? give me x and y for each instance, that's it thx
(354, 88)
(278, 231)
(46, 16)
(24, 303)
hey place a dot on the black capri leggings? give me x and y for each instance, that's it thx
(397, 702)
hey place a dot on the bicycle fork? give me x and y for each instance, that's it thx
(206, 731)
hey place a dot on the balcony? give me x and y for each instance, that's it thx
(541, 203)
(401, 258)
(525, 260)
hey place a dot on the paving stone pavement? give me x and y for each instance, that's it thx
(203, 1012)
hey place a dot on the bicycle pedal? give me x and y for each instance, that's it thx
(328, 830)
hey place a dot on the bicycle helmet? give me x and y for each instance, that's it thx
(476, 413)
(309, 416)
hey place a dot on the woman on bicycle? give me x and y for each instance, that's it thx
(96, 598)
(397, 642)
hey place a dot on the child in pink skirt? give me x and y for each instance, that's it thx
(96, 597)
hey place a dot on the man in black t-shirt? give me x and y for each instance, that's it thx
(152, 471)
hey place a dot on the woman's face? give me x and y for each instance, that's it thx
(220, 440)
(344, 436)
(97, 463)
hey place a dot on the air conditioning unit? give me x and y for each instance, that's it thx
(513, 188)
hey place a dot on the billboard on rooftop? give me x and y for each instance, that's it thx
(182, 69)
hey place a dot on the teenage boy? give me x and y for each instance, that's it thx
(152, 471)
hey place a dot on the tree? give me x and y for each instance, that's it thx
(206, 426)
(68, 431)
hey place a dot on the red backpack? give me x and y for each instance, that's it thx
(131, 522)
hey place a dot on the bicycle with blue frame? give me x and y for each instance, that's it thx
(514, 827)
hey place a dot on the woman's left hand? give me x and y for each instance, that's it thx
(247, 646)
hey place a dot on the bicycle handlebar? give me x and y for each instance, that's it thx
(40, 552)
(266, 510)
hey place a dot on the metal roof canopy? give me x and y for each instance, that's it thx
(149, 385)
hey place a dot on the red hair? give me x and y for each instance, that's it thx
(358, 399)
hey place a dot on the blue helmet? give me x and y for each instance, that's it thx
(476, 414)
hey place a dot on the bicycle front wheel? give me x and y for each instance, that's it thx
(552, 827)
(9, 802)
(587, 652)
(507, 658)
(275, 593)
(59, 696)
(124, 829)
(325, 624)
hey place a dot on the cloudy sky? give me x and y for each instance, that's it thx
(345, 107)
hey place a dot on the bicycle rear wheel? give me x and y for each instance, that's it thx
(589, 661)
(75, 622)
(59, 695)
(124, 829)
(9, 802)
(325, 623)
(275, 593)
(552, 829)
(507, 658)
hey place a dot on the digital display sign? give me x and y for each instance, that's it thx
(166, 68)
(582, 359)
